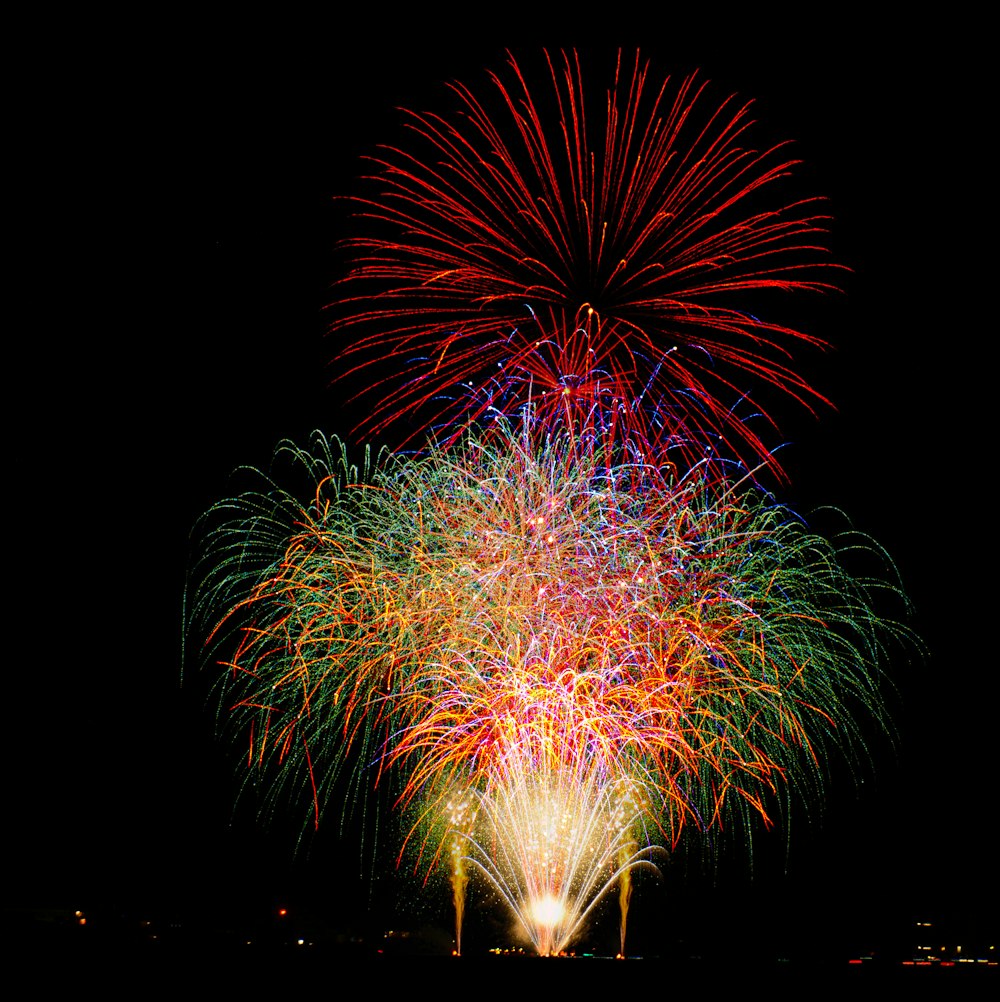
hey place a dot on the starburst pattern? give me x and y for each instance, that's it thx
(628, 248)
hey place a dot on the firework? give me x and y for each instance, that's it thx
(584, 263)
(569, 629)
(559, 654)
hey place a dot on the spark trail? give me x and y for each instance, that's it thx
(568, 628)
(630, 249)
(545, 624)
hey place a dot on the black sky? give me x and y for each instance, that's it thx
(190, 230)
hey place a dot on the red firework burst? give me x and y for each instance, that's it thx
(524, 253)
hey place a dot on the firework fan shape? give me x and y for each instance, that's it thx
(557, 631)
(519, 621)
(623, 245)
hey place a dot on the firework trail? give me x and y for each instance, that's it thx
(528, 632)
(566, 631)
(624, 251)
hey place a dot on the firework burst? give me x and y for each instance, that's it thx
(517, 621)
(631, 245)
(569, 629)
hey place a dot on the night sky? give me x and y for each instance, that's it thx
(191, 229)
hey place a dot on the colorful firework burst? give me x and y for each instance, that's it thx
(560, 634)
(522, 620)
